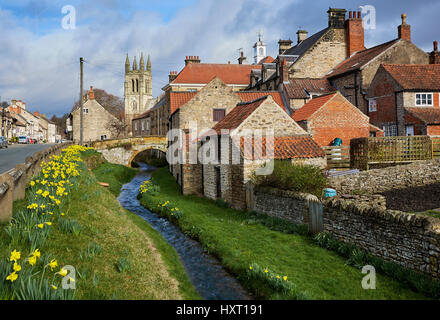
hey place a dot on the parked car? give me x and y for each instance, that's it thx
(3, 142)
(30, 140)
(23, 139)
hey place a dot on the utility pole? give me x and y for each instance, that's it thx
(81, 60)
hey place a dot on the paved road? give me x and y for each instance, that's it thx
(17, 153)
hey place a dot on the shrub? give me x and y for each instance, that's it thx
(293, 177)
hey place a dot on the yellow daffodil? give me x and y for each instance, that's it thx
(62, 272)
(250, 268)
(37, 253)
(54, 287)
(48, 223)
(266, 271)
(32, 260)
(16, 267)
(32, 183)
(41, 225)
(12, 277)
(15, 255)
(285, 278)
(53, 264)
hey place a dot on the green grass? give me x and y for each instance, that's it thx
(115, 175)
(110, 234)
(430, 213)
(240, 239)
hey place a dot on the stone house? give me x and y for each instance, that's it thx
(404, 99)
(332, 116)
(353, 76)
(330, 46)
(237, 152)
(142, 125)
(98, 122)
(192, 78)
(205, 108)
(18, 107)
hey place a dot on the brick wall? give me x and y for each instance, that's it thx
(338, 119)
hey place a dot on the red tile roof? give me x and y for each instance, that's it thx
(253, 95)
(295, 147)
(178, 99)
(196, 73)
(267, 59)
(311, 107)
(415, 76)
(296, 88)
(429, 115)
(237, 115)
(360, 58)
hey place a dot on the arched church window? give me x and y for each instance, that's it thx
(134, 105)
(261, 52)
(137, 85)
(132, 85)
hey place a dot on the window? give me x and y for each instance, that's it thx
(85, 111)
(104, 137)
(218, 114)
(143, 125)
(423, 99)
(390, 130)
(135, 125)
(372, 105)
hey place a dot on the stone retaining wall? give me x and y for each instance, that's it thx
(13, 182)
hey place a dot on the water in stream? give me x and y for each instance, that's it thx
(205, 272)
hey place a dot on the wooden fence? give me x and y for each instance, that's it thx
(338, 157)
(365, 152)
(435, 147)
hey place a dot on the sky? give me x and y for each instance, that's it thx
(39, 58)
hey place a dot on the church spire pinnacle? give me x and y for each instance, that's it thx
(141, 62)
(149, 64)
(135, 66)
(127, 64)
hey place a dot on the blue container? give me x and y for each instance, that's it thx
(337, 142)
(329, 192)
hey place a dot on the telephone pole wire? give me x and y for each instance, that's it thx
(81, 61)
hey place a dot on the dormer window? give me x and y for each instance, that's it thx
(423, 99)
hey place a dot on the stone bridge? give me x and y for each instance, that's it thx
(123, 151)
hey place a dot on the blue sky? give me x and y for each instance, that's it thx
(39, 59)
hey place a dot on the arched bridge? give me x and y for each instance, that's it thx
(123, 151)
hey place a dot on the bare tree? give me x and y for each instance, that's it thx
(117, 126)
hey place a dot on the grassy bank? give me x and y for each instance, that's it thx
(116, 254)
(242, 240)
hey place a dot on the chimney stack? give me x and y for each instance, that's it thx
(434, 56)
(284, 71)
(36, 114)
(404, 30)
(284, 45)
(302, 35)
(242, 58)
(192, 59)
(354, 33)
(336, 18)
(172, 76)
(91, 93)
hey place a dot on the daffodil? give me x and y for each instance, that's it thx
(54, 287)
(62, 272)
(285, 278)
(15, 255)
(266, 271)
(12, 277)
(16, 267)
(36, 253)
(32, 183)
(250, 268)
(53, 264)
(41, 225)
(32, 260)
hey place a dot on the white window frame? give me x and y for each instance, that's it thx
(85, 110)
(423, 104)
(390, 128)
(143, 125)
(135, 125)
(370, 105)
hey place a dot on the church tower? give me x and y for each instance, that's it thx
(259, 50)
(138, 89)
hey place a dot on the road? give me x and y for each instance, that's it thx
(17, 153)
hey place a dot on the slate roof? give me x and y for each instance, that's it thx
(306, 44)
(143, 115)
(359, 59)
(311, 107)
(200, 73)
(290, 147)
(415, 76)
(296, 88)
(428, 115)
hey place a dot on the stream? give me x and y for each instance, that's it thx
(205, 272)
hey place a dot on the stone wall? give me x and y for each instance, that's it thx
(410, 240)
(288, 205)
(13, 182)
(381, 180)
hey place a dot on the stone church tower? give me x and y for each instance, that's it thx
(138, 89)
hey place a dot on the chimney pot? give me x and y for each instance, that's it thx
(350, 14)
